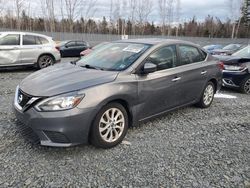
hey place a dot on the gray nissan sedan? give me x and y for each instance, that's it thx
(97, 98)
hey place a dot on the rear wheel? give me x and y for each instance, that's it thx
(207, 96)
(245, 85)
(110, 126)
(45, 61)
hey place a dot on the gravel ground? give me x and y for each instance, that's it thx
(190, 147)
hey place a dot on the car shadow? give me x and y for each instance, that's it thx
(17, 69)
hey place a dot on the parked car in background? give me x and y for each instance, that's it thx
(236, 70)
(210, 48)
(117, 86)
(228, 50)
(25, 49)
(89, 50)
(72, 48)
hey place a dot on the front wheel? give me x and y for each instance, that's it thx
(207, 96)
(245, 85)
(110, 126)
(45, 61)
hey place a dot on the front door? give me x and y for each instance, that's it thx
(10, 52)
(157, 90)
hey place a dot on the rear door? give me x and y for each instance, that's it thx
(192, 71)
(81, 46)
(31, 47)
(10, 52)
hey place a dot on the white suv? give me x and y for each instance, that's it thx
(21, 48)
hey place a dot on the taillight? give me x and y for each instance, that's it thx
(58, 48)
(221, 65)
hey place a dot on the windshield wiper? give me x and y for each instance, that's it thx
(91, 67)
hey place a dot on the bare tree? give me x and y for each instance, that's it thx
(19, 6)
(177, 17)
(234, 7)
(71, 7)
(1, 7)
(90, 9)
(132, 14)
(143, 10)
(48, 10)
(166, 14)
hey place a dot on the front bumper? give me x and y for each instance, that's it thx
(58, 129)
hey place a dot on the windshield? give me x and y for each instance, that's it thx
(99, 45)
(231, 47)
(114, 56)
(245, 52)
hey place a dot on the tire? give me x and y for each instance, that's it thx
(105, 133)
(207, 96)
(245, 85)
(45, 61)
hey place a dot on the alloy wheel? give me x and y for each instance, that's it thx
(247, 86)
(45, 61)
(208, 95)
(111, 125)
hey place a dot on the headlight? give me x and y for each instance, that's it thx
(58, 103)
(234, 67)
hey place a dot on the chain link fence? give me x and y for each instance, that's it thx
(94, 39)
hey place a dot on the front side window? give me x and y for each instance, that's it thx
(189, 54)
(10, 40)
(114, 56)
(164, 58)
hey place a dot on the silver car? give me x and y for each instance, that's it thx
(21, 48)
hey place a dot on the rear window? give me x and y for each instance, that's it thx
(10, 40)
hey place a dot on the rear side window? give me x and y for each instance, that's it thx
(189, 54)
(164, 58)
(42, 40)
(11, 40)
(79, 43)
(71, 44)
(34, 40)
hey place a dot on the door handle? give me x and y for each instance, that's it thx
(203, 72)
(176, 79)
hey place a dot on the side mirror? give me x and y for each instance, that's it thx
(149, 68)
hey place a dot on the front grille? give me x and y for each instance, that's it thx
(56, 137)
(27, 132)
(23, 98)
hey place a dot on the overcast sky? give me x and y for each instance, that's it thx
(189, 8)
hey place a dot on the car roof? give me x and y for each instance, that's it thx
(156, 41)
(25, 33)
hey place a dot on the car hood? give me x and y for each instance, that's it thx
(64, 78)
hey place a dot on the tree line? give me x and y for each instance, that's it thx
(126, 17)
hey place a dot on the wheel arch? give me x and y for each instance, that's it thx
(47, 53)
(126, 105)
(215, 82)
